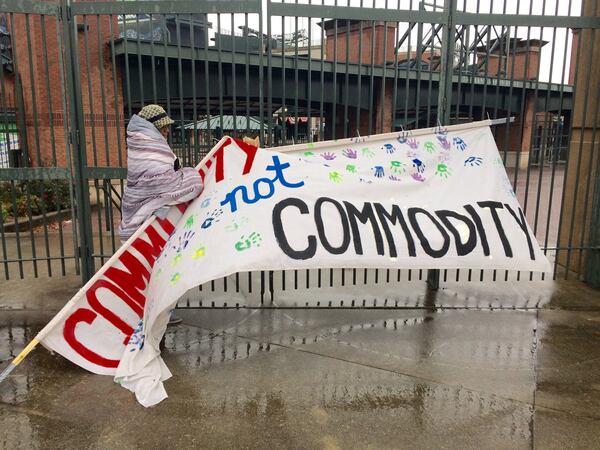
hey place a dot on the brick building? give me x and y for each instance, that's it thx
(36, 91)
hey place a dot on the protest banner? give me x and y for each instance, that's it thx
(430, 199)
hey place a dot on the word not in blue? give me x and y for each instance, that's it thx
(278, 168)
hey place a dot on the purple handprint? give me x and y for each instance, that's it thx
(418, 177)
(183, 241)
(350, 153)
(389, 148)
(441, 133)
(412, 143)
(444, 143)
(378, 171)
(418, 164)
(328, 156)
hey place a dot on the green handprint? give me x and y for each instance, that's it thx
(350, 168)
(442, 170)
(309, 154)
(335, 177)
(253, 240)
(310, 145)
(367, 152)
(175, 278)
(429, 147)
(189, 223)
(397, 167)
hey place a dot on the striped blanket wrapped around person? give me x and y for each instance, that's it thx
(152, 179)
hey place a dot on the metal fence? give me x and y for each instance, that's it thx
(73, 73)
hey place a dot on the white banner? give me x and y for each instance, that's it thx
(430, 199)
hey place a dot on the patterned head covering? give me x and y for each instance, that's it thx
(156, 115)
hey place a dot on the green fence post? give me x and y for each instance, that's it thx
(77, 142)
(445, 92)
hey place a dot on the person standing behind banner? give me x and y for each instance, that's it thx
(155, 180)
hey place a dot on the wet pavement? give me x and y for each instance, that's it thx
(475, 365)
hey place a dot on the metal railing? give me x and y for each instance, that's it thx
(370, 67)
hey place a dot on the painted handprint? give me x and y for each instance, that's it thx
(175, 278)
(473, 161)
(310, 145)
(444, 143)
(441, 133)
(212, 217)
(429, 147)
(389, 148)
(413, 144)
(183, 241)
(419, 165)
(418, 177)
(364, 180)
(397, 167)
(351, 168)
(236, 224)
(253, 240)
(402, 138)
(442, 170)
(328, 156)
(378, 171)
(336, 177)
(459, 143)
(367, 152)
(394, 178)
(199, 252)
(189, 222)
(136, 340)
(350, 153)
(205, 202)
(309, 154)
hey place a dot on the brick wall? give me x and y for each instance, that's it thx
(43, 89)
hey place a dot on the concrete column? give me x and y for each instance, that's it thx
(581, 176)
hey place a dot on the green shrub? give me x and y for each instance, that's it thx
(35, 196)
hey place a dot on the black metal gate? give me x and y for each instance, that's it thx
(74, 72)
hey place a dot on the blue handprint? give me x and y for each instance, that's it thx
(402, 138)
(473, 161)
(389, 148)
(212, 217)
(418, 164)
(459, 143)
(379, 173)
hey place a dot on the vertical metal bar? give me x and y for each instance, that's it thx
(322, 83)
(153, 57)
(283, 114)
(296, 82)
(372, 79)
(347, 81)
(270, 75)
(233, 93)
(308, 92)
(220, 71)
(78, 142)
(68, 155)
(196, 158)
(207, 88)
(182, 140)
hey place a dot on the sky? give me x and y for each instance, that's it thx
(555, 55)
